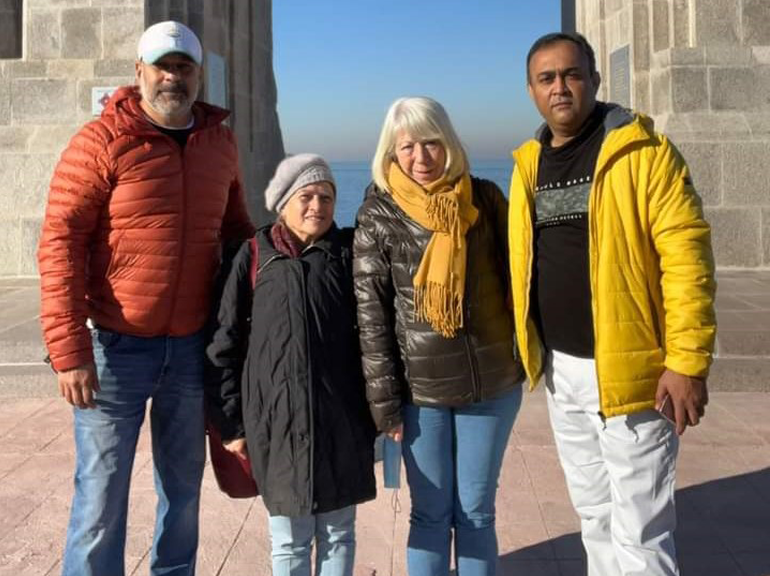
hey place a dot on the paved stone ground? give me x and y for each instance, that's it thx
(723, 478)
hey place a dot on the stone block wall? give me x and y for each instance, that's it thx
(68, 46)
(701, 69)
(71, 46)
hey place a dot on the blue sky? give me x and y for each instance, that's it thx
(340, 63)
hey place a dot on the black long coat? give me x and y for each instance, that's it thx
(299, 394)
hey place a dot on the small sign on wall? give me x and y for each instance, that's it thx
(216, 80)
(100, 95)
(620, 76)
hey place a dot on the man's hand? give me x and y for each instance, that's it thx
(688, 397)
(78, 385)
(237, 447)
(396, 434)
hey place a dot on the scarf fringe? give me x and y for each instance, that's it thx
(444, 211)
(440, 307)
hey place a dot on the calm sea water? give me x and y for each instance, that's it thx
(353, 178)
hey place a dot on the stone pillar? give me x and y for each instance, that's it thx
(72, 46)
(237, 39)
(701, 69)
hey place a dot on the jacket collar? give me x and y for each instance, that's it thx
(331, 244)
(622, 128)
(129, 118)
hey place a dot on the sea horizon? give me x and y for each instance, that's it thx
(353, 176)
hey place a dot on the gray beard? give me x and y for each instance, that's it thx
(178, 105)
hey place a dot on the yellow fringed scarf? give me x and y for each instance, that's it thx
(446, 209)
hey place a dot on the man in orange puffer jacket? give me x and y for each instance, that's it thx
(138, 207)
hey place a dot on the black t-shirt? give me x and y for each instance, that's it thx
(561, 291)
(178, 134)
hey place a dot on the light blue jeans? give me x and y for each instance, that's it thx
(335, 540)
(453, 458)
(131, 371)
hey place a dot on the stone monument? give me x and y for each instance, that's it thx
(59, 59)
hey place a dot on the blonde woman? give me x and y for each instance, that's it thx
(430, 270)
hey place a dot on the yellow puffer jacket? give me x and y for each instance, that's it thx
(651, 265)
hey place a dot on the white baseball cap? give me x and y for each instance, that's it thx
(166, 38)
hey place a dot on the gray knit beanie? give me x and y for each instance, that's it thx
(295, 172)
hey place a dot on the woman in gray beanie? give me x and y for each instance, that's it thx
(290, 390)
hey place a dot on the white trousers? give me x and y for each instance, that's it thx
(620, 474)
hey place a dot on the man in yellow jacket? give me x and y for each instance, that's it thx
(613, 286)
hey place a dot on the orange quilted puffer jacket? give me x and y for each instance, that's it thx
(132, 230)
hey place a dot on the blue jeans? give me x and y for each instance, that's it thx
(335, 539)
(131, 370)
(453, 458)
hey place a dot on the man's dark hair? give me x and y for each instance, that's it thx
(577, 39)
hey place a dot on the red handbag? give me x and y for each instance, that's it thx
(233, 474)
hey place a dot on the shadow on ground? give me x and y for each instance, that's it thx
(723, 530)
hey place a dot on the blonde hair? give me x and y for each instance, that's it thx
(424, 119)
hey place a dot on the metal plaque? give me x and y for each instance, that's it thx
(620, 76)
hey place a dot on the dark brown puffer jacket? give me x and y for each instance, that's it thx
(405, 360)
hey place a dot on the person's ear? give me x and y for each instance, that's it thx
(596, 80)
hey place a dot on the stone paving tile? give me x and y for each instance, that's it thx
(21, 411)
(250, 554)
(556, 509)
(36, 432)
(35, 546)
(514, 474)
(704, 463)
(534, 437)
(9, 462)
(525, 540)
(221, 518)
(518, 507)
(723, 427)
(533, 414)
(544, 470)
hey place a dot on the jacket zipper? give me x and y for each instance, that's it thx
(310, 396)
(593, 247)
(183, 232)
(593, 200)
(528, 231)
(475, 384)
